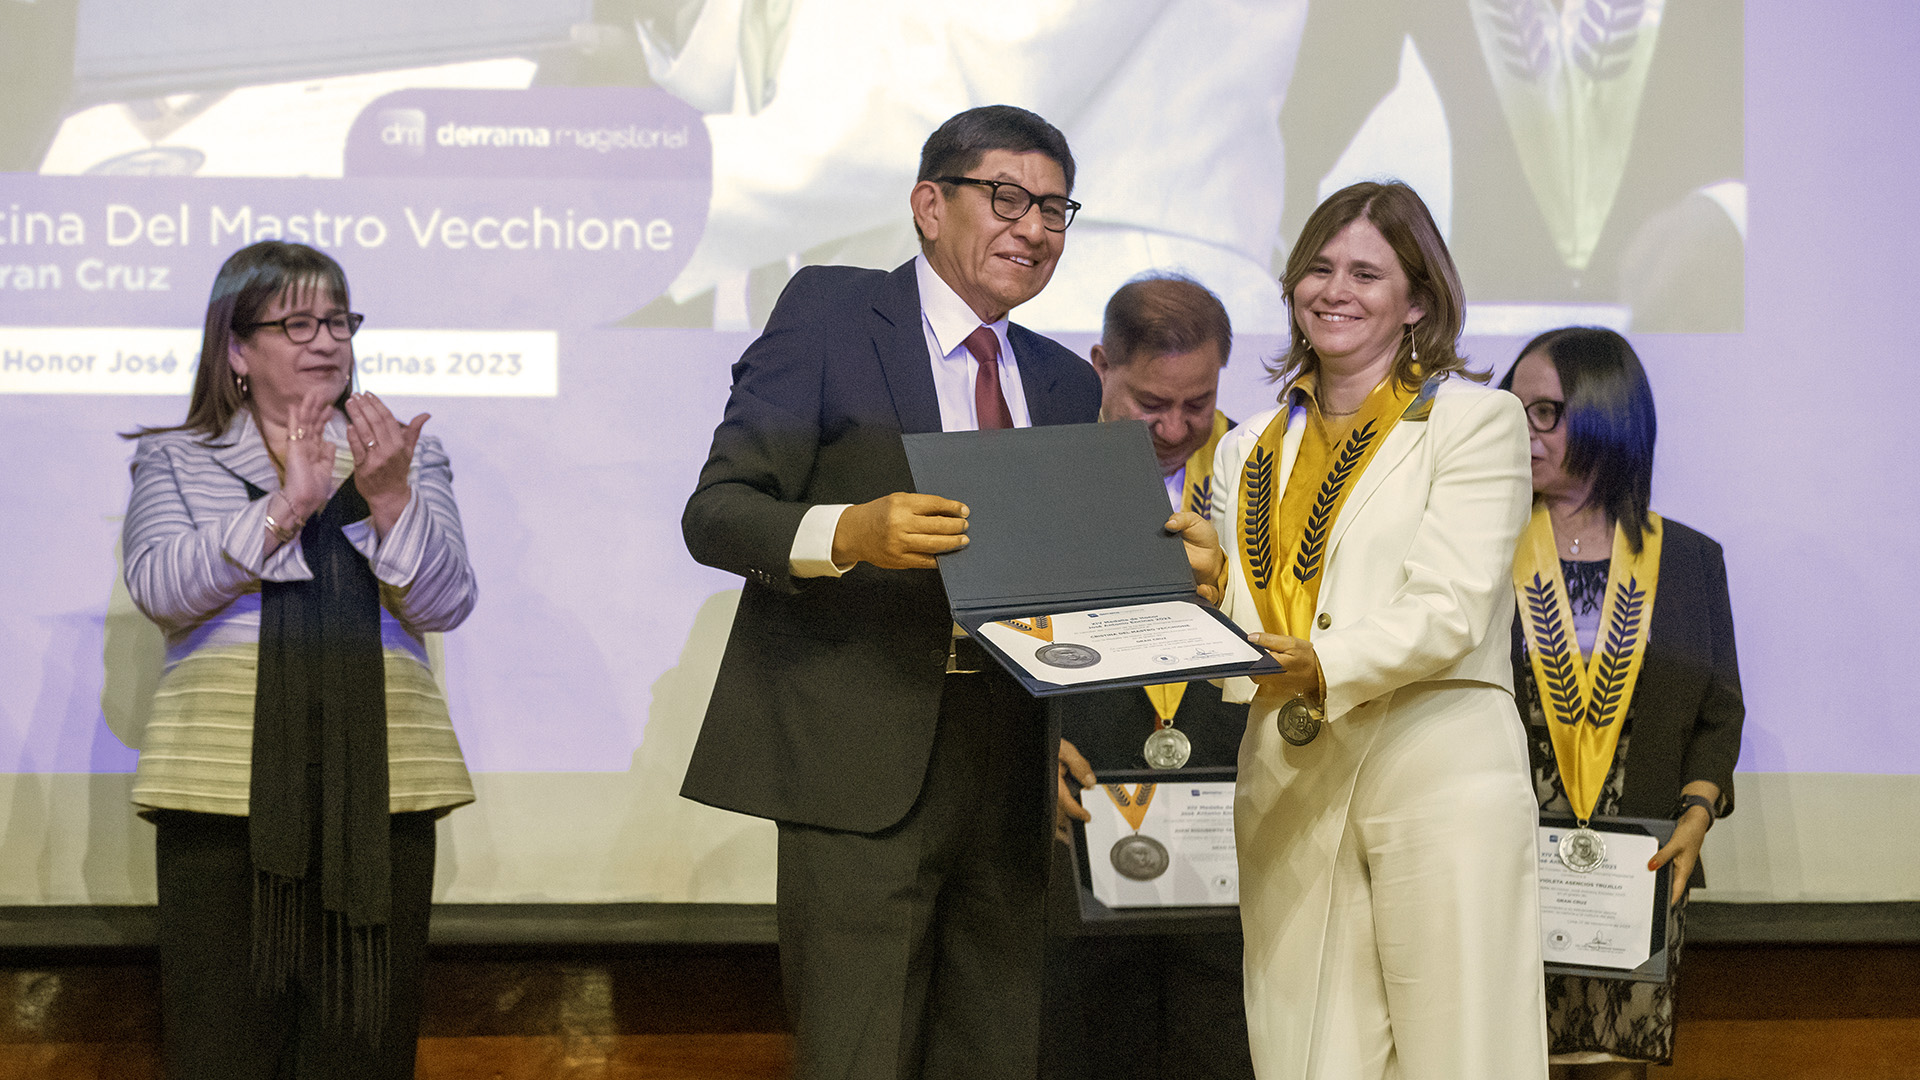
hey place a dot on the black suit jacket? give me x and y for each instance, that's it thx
(823, 712)
(1687, 708)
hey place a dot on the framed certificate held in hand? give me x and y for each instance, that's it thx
(1603, 914)
(1069, 579)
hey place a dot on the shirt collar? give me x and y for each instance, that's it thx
(1304, 390)
(948, 316)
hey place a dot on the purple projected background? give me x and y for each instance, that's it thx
(1787, 441)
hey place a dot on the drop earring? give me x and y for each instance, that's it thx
(240, 383)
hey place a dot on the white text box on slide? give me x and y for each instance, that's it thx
(403, 363)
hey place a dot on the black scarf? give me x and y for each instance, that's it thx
(320, 700)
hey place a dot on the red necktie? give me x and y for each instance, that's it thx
(989, 405)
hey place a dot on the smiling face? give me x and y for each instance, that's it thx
(1354, 302)
(282, 373)
(1536, 380)
(1174, 393)
(994, 265)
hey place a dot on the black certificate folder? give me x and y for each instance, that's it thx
(1069, 579)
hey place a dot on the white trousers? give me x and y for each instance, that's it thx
(1408, 942)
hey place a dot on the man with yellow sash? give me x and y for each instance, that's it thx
(1156, 1004)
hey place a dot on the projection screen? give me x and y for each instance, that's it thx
(565, 219)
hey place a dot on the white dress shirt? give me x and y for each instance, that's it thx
(946, 321)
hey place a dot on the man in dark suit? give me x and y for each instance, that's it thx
(912, 781)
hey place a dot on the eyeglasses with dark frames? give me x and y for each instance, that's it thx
(1011, 202)
(1545, 414)
(301, 329)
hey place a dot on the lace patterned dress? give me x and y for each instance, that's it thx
(1592, 1020)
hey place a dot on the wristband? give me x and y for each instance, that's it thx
(1700, 801)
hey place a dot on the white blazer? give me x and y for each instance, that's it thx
(1411, 632)
(1419, 564)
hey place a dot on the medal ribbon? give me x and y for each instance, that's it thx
(1166, 700)
(1132, 805)
(1040, 627)
(1197, 496)
(1585, 703)
(1296, 524)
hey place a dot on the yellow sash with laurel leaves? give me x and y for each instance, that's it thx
(1585, 703)
(1283, 543)
(1197, 495)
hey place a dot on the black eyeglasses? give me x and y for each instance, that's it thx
(1011, 202)
(1545, 414)
(301, 329)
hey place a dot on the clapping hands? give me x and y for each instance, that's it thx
(382, 455)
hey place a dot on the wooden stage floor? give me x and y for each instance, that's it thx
(685, 1012)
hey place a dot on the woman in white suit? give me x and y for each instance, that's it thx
(1384, 816)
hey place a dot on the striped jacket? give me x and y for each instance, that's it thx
(193, 543)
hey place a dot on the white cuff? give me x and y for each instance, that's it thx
(812, 554)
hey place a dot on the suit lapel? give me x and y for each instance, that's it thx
(245, 453)
(1405, 435)
(1037, 378)
(901, 346)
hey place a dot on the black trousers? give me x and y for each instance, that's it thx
(917, 951)
(1146, 1007)
(215, 1024)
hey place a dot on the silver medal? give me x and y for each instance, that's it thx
(1141, 858)
(1167, 748)
(1582, 851)
(1067, 655)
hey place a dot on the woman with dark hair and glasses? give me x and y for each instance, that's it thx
(1659, 739)
(295, 541)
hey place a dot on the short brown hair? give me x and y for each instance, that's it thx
(1162, 314)
(1433, 282)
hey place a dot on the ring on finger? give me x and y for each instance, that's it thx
(370, 443)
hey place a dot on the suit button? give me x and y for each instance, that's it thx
(1325, 621)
